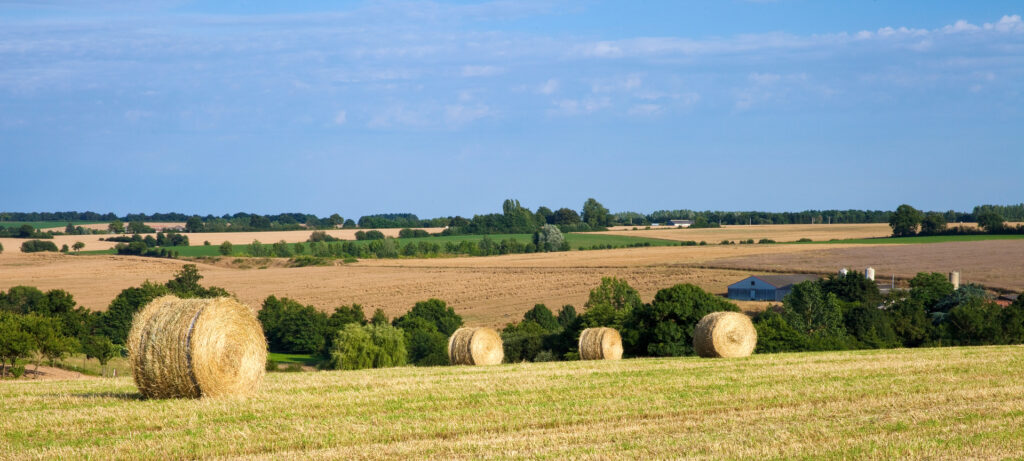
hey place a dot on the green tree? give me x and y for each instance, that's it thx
(15, 342)
(116, 226)
(928, 288)
(665, 326)
(853, 287)
(139, 227)
(292, 327)
(990, 221)
(775, 335)
(871, 327)
(225, 248)
(185, 284)
(367, 346)
(78, 247)
(194, 224)
(35, 246)
(379, 317)
(595, 214)
(523, 341)
(50, 343)
(905, 221)
(336, 220)
(101, 349)
(543, 316)
(427, 327)
(910, 322)
(117, 320)
(815, 314)
(549, 238)
(565, 216)
(611, 303)
(25, 231)
(933, 223)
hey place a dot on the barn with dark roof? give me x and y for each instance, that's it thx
(766, 287)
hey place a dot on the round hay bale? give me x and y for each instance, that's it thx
(600, 344)
(475, 346)
(724, 334)
(196, 348)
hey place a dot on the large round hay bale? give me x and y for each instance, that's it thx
(196, 348)
(724, 334)
(600, 344)
(475, 346)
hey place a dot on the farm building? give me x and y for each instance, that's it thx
(766, 287)
(680, 223)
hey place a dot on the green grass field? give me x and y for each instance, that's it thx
(922, 239)
(575, 240)
(283, 358)
(948, 403)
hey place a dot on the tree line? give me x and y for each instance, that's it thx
(908, 221)
(47, 326)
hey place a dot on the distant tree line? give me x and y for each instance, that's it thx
(908, 221)
(513, 219)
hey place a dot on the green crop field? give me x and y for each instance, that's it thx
(921, 239)
(576, 240)
(283, 358)
(945, 403)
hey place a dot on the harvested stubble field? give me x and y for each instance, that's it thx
(777, 232)
(93, 242)
(951, 403)
(491, 291)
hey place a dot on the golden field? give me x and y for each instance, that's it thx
(947, 403)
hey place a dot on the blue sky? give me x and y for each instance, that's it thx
(450, 107)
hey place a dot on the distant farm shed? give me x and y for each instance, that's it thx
(766, 287)
(680, 223)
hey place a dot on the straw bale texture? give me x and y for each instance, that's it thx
(600, 344)
(196, 348)
(724, 334)
(475, 346)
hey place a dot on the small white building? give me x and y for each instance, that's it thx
(680, 222)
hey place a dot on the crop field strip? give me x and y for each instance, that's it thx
(923, 403)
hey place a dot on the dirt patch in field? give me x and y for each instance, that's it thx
(777, 232)
(46, 373)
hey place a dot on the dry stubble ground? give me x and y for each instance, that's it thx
(494, 290)
(950, 403)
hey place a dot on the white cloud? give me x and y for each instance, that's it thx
(1006, 24)
(960, 26)
(461, 114)
(586, 105)
(340, 118)
(645, 109)
(549, 87)
(481, 71)
(396, 116)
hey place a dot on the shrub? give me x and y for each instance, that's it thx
(766, 241)
(545, 356)
(412, 233)
(226, 248)
(367, 346)
(427, 327)
(775, 335)
(549, 238)
(34, 246)
(292, 327)
(611, 304)
(321, 236)
(665, 326)
(805, 239)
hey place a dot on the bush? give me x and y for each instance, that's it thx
(34, 246)
(805, 239)
(550, 238)
(766, 241)
(1, 248)
(226, 248)
(18, 371)
(775, 335)
(611, 304)
(427, 327)
(545, 356)
(367, 346)
(412, 233)
(321, 236)
(665, 326)
(292, 327)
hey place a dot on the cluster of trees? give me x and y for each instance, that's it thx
(345, 339)
(39, 325)
(24, 231)
(908, 221)
(150, 246)
(663, 327)
(848, 312)
(33, 246)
